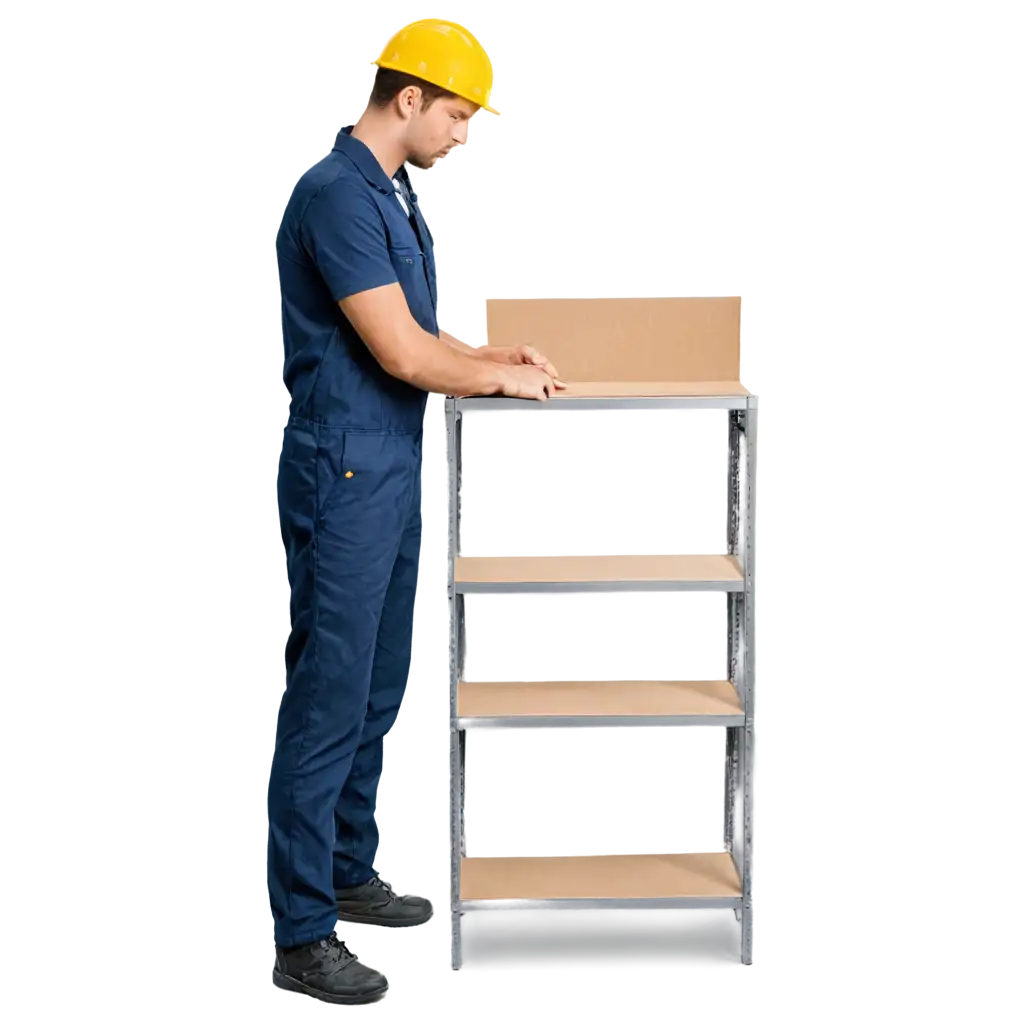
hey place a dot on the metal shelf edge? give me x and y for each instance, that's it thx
(666, 903)
(594, 721)
(663, 409)
(721, 586)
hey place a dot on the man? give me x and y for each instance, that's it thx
(362, 350)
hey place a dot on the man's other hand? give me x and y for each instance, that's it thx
(521, 355)
(527, 381)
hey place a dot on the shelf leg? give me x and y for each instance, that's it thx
(748, 660)
(456, 644)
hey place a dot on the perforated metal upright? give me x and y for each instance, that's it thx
(719, 879)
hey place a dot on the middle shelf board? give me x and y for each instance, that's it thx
(535, 573)
(601, 702)
(696, 879)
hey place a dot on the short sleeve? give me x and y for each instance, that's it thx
(343, 232)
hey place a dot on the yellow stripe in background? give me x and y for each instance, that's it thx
(751, 68)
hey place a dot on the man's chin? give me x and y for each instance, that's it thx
(423, 165)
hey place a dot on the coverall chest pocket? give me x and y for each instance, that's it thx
(410, 269)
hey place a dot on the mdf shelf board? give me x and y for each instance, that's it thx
(625, 339)
(605, 699)
(719, 571)
(631, 876)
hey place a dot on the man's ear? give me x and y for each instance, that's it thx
(409, 100)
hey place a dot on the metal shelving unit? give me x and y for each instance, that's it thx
(716, 879)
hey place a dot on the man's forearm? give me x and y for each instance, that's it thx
(467, 341)
(404, 349)
(435, 365)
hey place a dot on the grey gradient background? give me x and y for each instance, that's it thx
(142, 156)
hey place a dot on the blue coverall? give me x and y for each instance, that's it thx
(349, 503)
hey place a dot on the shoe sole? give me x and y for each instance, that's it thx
(290, 984)
(387, 922)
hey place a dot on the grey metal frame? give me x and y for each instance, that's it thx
(747, 747)
(594, 412)
(738, 742)
(598, 586)
(667, 903)
(456, 661)
(693, 727)
(739, 728)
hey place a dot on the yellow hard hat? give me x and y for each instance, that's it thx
(444, 54)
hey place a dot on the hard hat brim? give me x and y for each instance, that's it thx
(485, 108)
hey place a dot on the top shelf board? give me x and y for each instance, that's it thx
(595, 402)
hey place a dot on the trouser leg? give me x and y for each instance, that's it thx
(357, 836)
(340, 563)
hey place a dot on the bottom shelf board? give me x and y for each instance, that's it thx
(620, 877)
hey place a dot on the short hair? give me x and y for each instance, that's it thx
(389, 83)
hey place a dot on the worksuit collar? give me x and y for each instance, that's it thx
(362, 156)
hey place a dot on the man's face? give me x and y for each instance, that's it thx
(438, 129)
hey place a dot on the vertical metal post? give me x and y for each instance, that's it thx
(453, 422)
(727, 748)
(747, 760)
(733, 626)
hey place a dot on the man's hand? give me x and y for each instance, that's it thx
(527, 381)
(521, 355)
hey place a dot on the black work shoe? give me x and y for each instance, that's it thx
(328, 970)
(375, 902)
